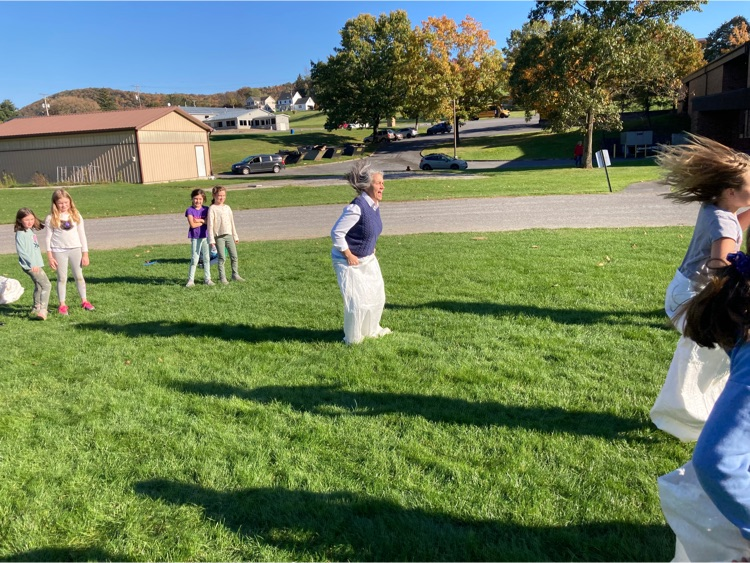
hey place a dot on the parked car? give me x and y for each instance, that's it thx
(502, 112)
(408, 132)
(351, 126)
(259, 163)
(441, 127)
(387, 135)
(439, 160)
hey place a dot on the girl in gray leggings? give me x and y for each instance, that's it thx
(66, 244)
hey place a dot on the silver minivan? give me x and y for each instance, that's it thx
(259, 163)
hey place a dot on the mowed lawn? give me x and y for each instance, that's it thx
(117, 200)
(506, 417)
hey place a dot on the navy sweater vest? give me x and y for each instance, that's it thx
(363, 236)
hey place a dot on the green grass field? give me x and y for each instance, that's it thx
(506, 417)
(116, 200)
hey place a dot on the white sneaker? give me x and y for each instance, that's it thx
(190, 283)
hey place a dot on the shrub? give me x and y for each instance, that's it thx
(7, 180)
(39, 179)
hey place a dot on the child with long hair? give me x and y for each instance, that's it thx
(718, 178)
(30, 259)
(222, 234)
(67, 244)
(707, 501)
(197, 215)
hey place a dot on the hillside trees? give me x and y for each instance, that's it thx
(573, 74)
(66, 105)
(461, 65)
(364, 80)
(7, 110)
(726, 37)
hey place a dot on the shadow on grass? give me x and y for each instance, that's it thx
(328, 400)
(244, 333)
(654, 319)
(66, 554)
(339, 526)
(138, 280)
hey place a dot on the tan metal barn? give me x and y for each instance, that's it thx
(140, 146)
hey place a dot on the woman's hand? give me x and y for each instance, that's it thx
(85, 259)
(351, 259)
(52, 261)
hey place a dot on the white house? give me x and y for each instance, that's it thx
(304, 104)
(287, 100)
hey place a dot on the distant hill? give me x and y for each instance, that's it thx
(86, 100)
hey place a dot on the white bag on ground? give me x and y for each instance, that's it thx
(695, 379)
(364, 298)
(10, 290)
(703, 534)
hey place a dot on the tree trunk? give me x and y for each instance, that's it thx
(588, 141)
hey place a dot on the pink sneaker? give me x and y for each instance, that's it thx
(86, 306)
(62, 309)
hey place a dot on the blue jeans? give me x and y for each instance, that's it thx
(198, 249)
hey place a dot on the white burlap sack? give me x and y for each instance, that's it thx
(364, 298)
(10, 290)
(703, 534)
(695, 379)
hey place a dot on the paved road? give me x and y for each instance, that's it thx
(641, 205)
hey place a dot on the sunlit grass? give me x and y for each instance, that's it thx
(506, 417)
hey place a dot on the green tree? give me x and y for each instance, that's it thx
(663, 53)
(573, 74)
(365, 79)
(7, 110)
(719, 40)
(105, 100)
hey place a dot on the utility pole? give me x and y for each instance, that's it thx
(455, 129)
(138, 94)
(45, 105)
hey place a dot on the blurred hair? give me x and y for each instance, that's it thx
(21, 215)
(720, 314)
(360, 177)
(57, 195)
(198, 192)
(702, 169)
(215, 190)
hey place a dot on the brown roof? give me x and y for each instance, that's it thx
(89, 122)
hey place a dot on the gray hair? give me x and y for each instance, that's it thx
(360, 177)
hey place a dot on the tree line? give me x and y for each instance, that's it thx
(576, 63)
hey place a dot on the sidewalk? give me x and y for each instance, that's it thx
(639, 205)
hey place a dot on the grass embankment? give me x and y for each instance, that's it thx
(506, 418)
(117, 200)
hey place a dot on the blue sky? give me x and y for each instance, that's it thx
(210, 47)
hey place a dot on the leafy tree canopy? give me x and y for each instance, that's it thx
(726, 37)
(574, 73)
(7, 110)
(365, 79)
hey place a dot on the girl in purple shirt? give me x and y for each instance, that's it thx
(196, 218)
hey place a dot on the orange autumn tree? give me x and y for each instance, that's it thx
(460, 64)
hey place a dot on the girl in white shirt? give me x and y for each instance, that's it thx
(222, 233)
(66, 244)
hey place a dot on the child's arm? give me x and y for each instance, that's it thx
(48, 242)
(722, 454)
(210, 226)
(234, 229)
(84, 243)
(194, 221)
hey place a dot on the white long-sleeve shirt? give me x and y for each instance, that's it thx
(58, 239)
(348, 219)
(220, 222)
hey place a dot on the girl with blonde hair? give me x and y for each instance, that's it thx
(67, 244)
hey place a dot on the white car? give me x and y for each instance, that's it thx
(408, 132)
(439, 160)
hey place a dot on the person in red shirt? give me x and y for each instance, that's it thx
(578, 153)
